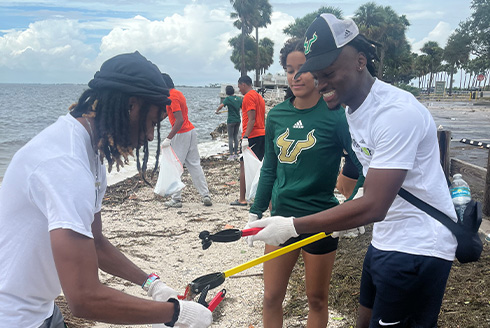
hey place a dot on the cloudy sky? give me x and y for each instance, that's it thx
(66, 41)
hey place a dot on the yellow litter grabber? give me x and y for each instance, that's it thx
(213, 280)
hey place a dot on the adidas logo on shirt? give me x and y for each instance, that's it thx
(298, 125)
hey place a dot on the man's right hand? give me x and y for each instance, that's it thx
(193, 315)
(244, 143)
(166, 143)
(276, 230)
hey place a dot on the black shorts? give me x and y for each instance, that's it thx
(319, 247)
(257, 145)
(403, 290)
(349, 169)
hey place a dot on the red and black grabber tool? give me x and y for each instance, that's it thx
(225, 236)
(213, 280)
(214, 302)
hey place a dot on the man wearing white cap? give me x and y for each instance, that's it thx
(395, 138)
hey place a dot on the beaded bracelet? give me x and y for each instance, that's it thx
(151, 278)
(175, 317)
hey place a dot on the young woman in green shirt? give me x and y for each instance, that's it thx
(304, 142)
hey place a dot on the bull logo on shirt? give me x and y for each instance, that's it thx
(289, 149)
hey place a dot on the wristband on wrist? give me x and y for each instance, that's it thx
(151, 278)
(175, 317)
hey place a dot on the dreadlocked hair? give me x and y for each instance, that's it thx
(291, 45)
(110, 109)
(145, 109)
(368, 48)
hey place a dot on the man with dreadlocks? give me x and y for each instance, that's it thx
(395, 138)
(50, 209)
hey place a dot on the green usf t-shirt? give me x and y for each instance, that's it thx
(234, 104)
(303, 149)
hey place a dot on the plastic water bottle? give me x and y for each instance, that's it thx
(461, 195)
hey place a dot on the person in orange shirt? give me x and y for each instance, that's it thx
(253, 128)
(183, 139)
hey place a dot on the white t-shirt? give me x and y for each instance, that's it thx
(392, 130)
(49, 184)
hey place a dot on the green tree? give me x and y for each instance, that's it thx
(422, 69)
(400, 67)
(456, 53)
(478, 26)
(243, 15)
(386, 27)
(261, 18)
(434, 56)
(300, 25)
(266, 49)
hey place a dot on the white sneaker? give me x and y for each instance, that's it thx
(173, 203)
(231, 158)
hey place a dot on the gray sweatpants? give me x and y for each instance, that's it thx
(185, 147)
(233, 129)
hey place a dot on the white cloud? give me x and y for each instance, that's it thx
(440, 34)
(45, 48)
(186, 38)
(191, 47)
(279, 21)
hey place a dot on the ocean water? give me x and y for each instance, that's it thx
(26, 109)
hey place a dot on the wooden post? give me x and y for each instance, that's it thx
(486, 191)
(444, 138)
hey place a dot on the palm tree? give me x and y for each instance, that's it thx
(456, 52)
(243, 54)
(422, 69)
(243, 15)
(266, 48)
(261, 18)
(434, 55)
(383, 25)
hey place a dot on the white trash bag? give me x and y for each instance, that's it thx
(170, 172)
(252, 167)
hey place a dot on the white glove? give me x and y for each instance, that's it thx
(166, 143)
(251, 218)
(193, 315)
(161, 292)
(349, 233)
(277, 229)
(244, 143)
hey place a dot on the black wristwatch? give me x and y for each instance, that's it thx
(175, 317)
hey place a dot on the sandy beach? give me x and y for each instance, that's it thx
(165, 241)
